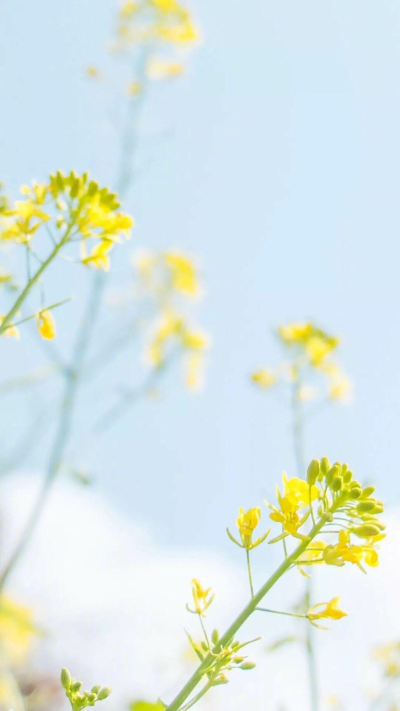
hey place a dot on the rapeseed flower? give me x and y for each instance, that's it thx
(46, 325)
(326, 610)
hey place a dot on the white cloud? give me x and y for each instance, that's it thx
(113, 601)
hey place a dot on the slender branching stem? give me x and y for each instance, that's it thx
(33, 280)
(243, 616)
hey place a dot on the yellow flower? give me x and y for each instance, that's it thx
(98, 258)
(183, 272)
(46, 325)
(345, 552)
(315, 342)
(296, 495)
(265, 378)
(202, 598)
(247, 522)
(166, 21)
(27, 216)
(11, 330)
(17, 630)
(326, 610)
(298, 491)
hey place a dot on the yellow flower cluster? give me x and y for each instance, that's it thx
(84, 212)
(311, 349)
(165, 21)
(331, 499)
(167, 277)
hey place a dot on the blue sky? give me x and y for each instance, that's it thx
(275, 160)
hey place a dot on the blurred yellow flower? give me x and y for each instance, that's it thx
(46, 324)
(11, 330)
(202, 598)
(17, 631)
(265, 378)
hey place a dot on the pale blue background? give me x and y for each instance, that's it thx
(278, 164)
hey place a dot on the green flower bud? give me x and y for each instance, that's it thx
(65, 678)
(95, 689)
(365, 506)
(337, 483)
(333, 472)
(103, 694)
(247, 666)
(204, 646)
(313, 472)
(325, 465)
(76, 687)
(366, 530)
(368, 491)
(344, 469)
(221, 679)
(214, 636)
(92, 698)
(347, 476)
(238, 660)
(355, 493)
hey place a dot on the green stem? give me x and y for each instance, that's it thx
(33, 280)
(63, 430)
(248, 610)
(249, 572)
(204, 631)
(278, 612)
(298, 443)
(198, 696)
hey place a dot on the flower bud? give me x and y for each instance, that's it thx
(367, 530)
(333, 471)
(325, 465)
(347, 476)
(365, 506)
(95, 689)
(214, 636)
(76, 687)
(247, 666)
(355, 493)
(65, 678)
(337, 483)
(313, 472)
(368, 491)
(103, 694)
(91, 698)
(221, 679)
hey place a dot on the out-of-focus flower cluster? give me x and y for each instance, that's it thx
(171, 279)
(163, 29)
(310, 350)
